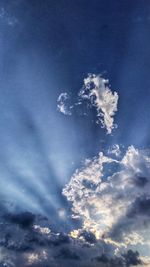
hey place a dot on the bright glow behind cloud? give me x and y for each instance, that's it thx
(115, 207)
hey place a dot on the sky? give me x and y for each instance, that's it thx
(74, 133)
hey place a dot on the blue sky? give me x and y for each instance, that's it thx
(48, 48)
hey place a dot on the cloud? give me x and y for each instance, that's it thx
(62, 104)
(96, 93)
(67, 254)
(24, 219)
(88, 236)
(114, 206)
(130, 258)
(37, 245)
(110, 196)
(114, 150)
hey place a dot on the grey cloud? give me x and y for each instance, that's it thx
(141, 206)
(136, 219)
(24, 219)
(141, 181)
(67, 254)
(112, 197)
(59, 240)
(130, 258)
(88, 237)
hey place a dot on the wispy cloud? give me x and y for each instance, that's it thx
(97, 93)
(62, 104)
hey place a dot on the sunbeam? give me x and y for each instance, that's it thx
(74, 138)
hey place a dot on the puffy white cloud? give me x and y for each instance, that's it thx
(96, 90)
(115, 205)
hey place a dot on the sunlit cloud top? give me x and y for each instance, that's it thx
(114, 207)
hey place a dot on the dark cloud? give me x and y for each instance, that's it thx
(25, 234)
(34, 238)
(140, 181)
(140, 207)
(59, 240)
(130, 258)
(67, 254)
(18, 247)
(136, 217)
(88, 236)
(24, 219)
(103, 258)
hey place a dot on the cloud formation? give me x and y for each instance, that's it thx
(130, 258)
(97, 93)
(31, 242)
(112, 197)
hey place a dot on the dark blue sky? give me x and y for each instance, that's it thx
(49, 48)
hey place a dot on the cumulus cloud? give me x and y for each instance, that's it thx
(97, 93)
(114, 207)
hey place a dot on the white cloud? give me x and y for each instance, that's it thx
(96, 90)
(115, 150)
(36, 258)
(62, 105)
(42, 230)
(113, 206)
